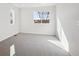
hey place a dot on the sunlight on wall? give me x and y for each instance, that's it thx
(62, 36)
(12, 50)
(62, 43)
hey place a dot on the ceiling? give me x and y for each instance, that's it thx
(20, 5)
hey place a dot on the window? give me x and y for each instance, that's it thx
(41, 17)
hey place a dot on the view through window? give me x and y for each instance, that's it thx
(40, 17)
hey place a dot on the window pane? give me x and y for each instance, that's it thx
(40, 15)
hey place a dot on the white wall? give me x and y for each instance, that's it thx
(68, 14)
(62, 37)
(27, 25)
(7, 29)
